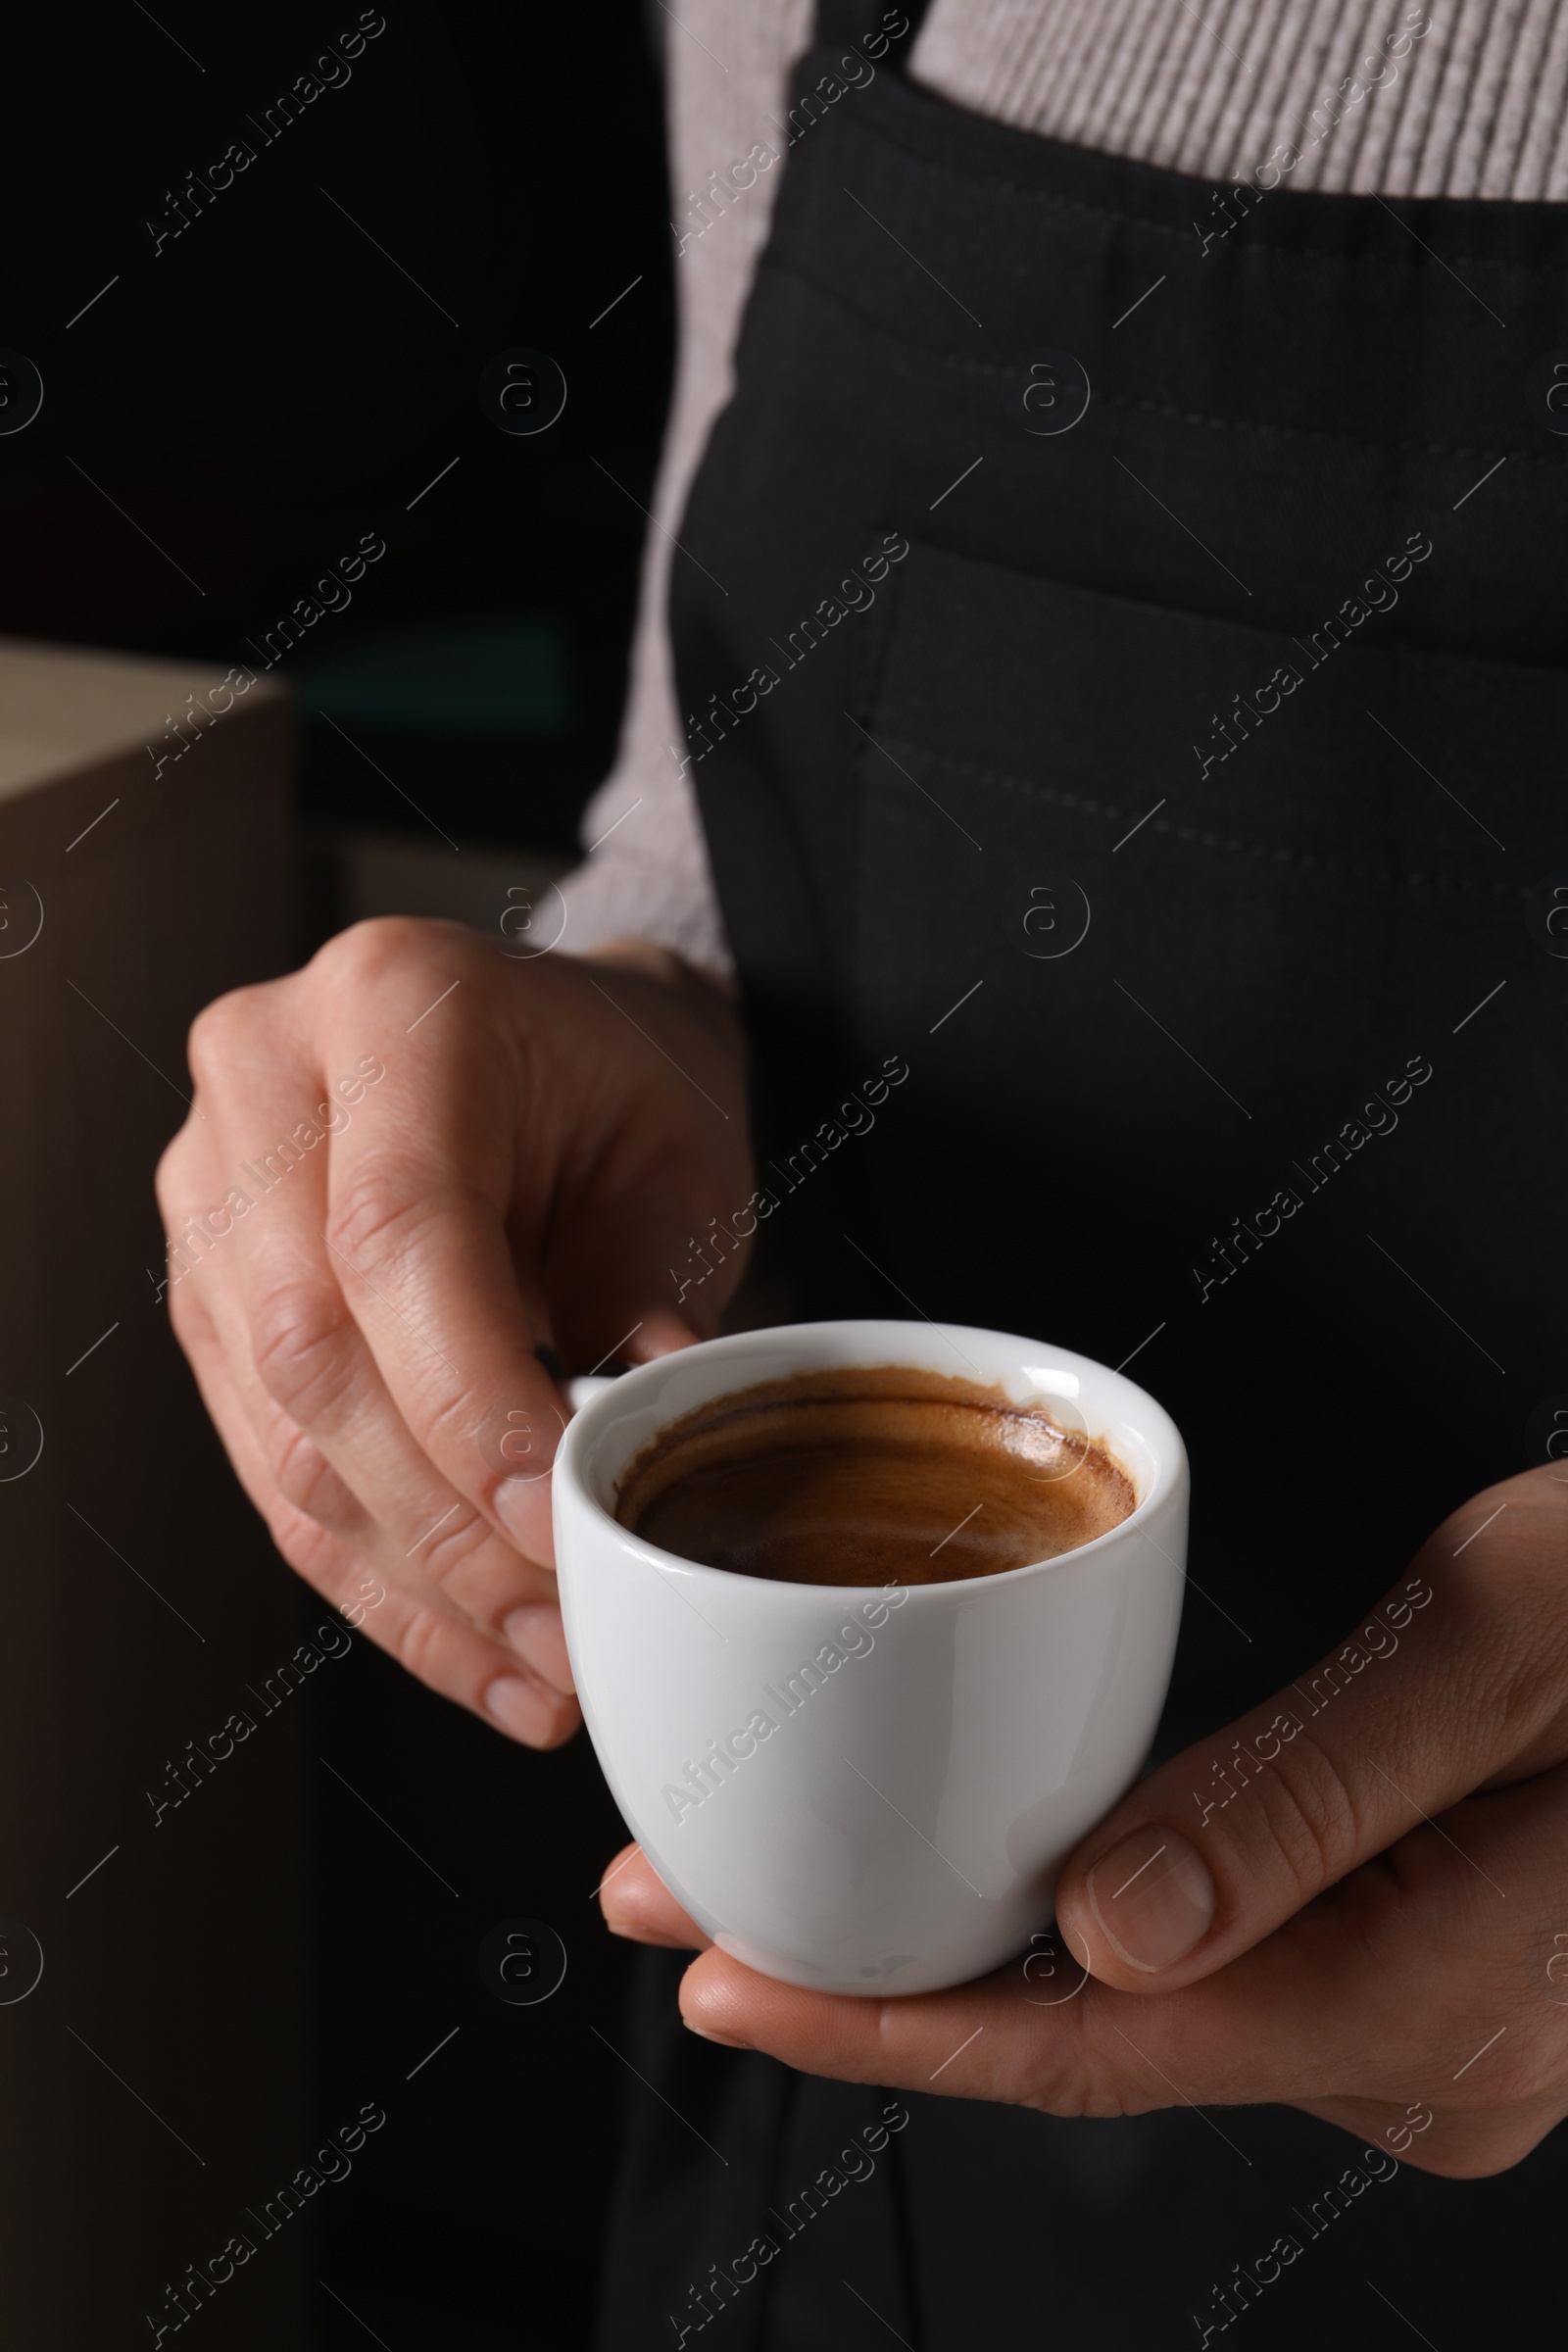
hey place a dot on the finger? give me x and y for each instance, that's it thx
(609, 1271)
(636, 1904)
(535, 1630)
(280, 1297)
(331, 1543)
(1455, 1679)
(434, 1202)
(1390, 1988)
(911, 2044)
(269, 1455)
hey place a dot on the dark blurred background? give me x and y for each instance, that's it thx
(295, 366)
(225, 415)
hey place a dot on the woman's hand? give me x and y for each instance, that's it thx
(1353, 1900)
(408, 1166)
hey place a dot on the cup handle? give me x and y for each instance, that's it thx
(586, 1386)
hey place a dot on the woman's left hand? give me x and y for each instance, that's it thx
(1373, 1926)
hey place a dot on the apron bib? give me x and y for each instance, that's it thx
(1124, 666)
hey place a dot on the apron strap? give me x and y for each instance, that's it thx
(852, 20)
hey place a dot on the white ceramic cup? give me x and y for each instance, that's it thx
(859, 1789)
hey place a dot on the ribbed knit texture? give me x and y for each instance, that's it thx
(1473, 106)
(1476, 106)
(728, 66)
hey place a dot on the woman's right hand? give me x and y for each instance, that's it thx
(362, 1309)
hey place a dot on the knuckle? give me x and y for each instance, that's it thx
(460, 1424)
(1310, 1814)
(455, 1545)
(1072, 2073)
(450, 1423)
(361, 956)
(188, 1315)
(382, 1211)
(171, 1175)
(1062, 2087)
(305, 1544)
(303, 1345)
(216, 1033)
(307, 1480)
(417, 1642)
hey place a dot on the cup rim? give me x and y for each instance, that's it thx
(1164, 1440)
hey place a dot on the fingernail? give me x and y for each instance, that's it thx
(522, 1506)
(1153, 1897)
(705, 2033)
(535, 1634)
(519, 1707)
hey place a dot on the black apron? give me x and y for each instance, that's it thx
(1178, 795)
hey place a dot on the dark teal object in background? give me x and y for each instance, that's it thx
(488, 673)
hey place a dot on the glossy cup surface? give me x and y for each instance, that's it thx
(931, 1758)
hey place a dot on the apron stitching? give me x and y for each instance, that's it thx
(1026, 789)
(868, 681)
(996, 372)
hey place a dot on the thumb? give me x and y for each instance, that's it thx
(642, 1268)
(624, 1282)
(1215, 1849)
(526, 1504)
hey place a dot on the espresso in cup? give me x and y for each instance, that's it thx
(869, 1794)
(872, 1474)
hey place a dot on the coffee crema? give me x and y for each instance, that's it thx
(872, 1474)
